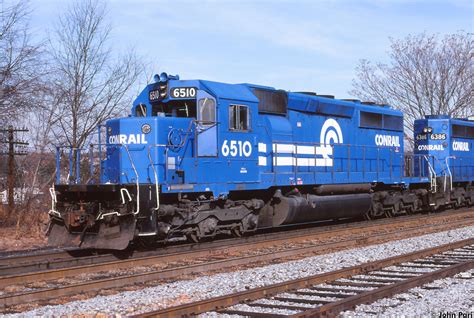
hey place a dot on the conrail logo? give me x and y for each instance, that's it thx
(127, 139)
(330, 133)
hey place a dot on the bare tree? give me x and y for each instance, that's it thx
(426, 75)
(23, 77)
(36, 172)
(92, 83)
(22, 67)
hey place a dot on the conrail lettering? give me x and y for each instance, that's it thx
(387, 141)
(127, 139)
(431, 147)
(460, 146)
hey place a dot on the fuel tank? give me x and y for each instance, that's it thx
(294, 209)
(329, 189)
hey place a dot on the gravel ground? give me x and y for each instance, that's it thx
(175, 293)
(453, 295)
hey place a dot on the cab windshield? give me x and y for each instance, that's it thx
(175, 108)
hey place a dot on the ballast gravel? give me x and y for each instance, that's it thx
(179, 292)
(453, 295)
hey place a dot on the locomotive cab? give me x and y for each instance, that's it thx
(170, 121)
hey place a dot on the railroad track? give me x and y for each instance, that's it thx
(202, 260)
(330, 293)
(64, 259)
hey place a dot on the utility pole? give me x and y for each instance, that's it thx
(12, 152)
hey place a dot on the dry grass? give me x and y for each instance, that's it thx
(19, 239)
(23, 229)
(25, 226)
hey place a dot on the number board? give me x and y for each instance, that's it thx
(154, 95)
(421, 137)
(183, 92)
(438, 136)
(431, 136)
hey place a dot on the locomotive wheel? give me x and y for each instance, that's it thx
(457, 203)
(236, 231)
(417, 205)
(193, 237)
(373, 215)
(376, 212)
(410, 209)
(389, 212)
(398, 208)
(147, 242)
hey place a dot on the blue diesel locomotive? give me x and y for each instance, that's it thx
(198, 158)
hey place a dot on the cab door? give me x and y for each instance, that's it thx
(206, 127)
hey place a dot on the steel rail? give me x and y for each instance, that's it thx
(43, 254)
(57, 260)
(221, 302)
(32, 257)
(160, 259)
(332, 309)
(121, 281)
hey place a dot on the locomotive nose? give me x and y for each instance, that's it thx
(129, 141)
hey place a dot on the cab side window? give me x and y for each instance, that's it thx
(140, 110)
(207, 111)
(239, 118)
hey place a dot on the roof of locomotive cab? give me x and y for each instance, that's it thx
(456, 121)
(220, 90)
(462, 121)
(244, 92)
(241, 92)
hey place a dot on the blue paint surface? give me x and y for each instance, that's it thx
(316, 140)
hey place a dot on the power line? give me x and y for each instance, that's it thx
(15, 148)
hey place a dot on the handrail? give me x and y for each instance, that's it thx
(442, 171)
(187, 134)
(432, 173)
(54, 200)
(122, 191)
(355, 153)
(155, 174)
(136, 176)
(310, 143)
(450, 174)
(208, 125)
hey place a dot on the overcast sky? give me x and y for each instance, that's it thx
(292, 45)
